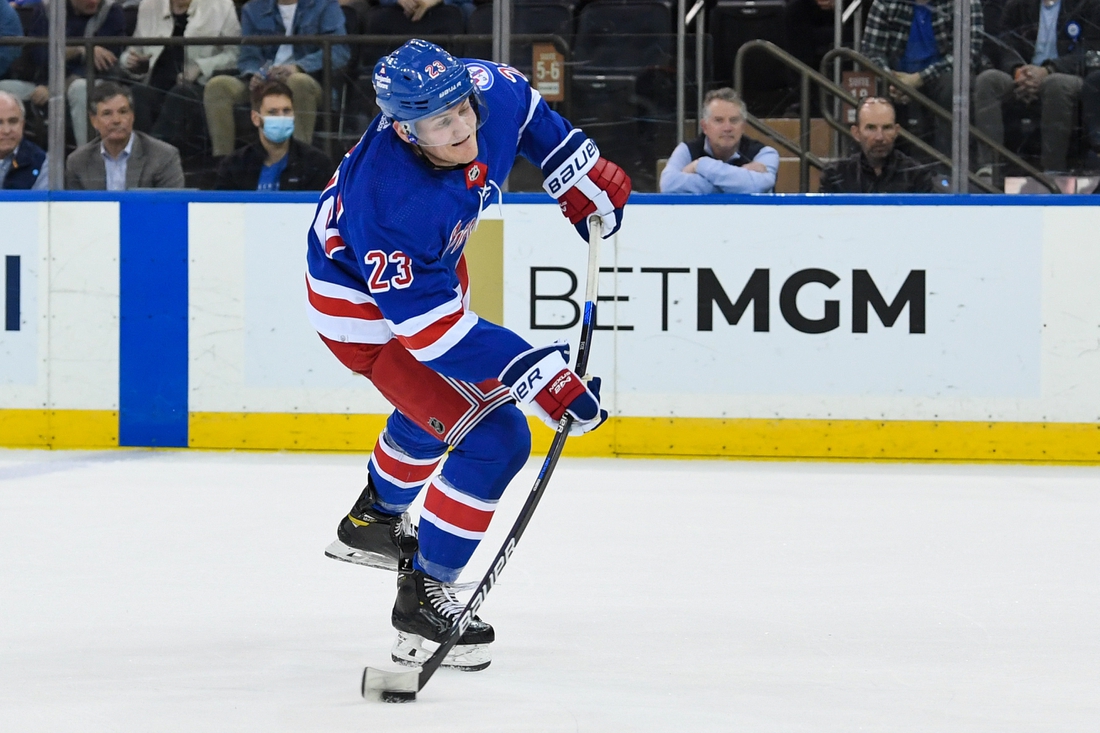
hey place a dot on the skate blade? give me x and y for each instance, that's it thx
(413, 650)
(339, 551)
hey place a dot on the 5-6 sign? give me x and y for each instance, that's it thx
(549, 67)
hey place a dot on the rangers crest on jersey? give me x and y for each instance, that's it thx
(459, 235)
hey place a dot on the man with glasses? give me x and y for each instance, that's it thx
(722, 159)
(878, 167)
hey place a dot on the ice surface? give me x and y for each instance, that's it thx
(187, 591)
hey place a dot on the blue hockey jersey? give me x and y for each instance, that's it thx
(385, 255)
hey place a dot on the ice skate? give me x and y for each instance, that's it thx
(369, 537)
(425, 611)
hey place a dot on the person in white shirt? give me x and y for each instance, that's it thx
(170, 79)
(722, 159)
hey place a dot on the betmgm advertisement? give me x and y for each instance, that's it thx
(805, 327)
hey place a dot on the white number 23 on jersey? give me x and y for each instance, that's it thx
(378, 261)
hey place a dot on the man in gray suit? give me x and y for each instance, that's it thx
(120, 159)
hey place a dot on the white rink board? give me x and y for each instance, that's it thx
(1012, 314)
(252, 348)
(1003, 285)
(22, 375)
(66, 354)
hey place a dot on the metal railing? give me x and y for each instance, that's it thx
(828, 88)
(914, 95)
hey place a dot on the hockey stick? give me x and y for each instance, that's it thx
(387, 686)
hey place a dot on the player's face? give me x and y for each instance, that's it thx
(449, 138)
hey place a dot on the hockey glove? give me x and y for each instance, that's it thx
(542, 379)
(586, 184)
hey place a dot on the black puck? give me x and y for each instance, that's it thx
(395, 696)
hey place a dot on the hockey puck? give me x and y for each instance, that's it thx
(395, 696)
(384, 686)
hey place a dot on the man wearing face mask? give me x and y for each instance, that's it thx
(388, 292)
(277, 161)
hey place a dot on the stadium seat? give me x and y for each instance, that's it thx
(26, 14)
(622, 83)
(528, 18)
(734, 23)
(390, 20)
(617, 35)
(480, 23)
(130, 13)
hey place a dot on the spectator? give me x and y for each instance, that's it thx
(1043, 66)
(277, 161)
(168, 97)
(878, 167)
(84, 19)
(810, 30)
(121, 159)
(23, 165)
(913, 39)
(722, 159)
(297, 65)
(11, 27)
(415, 9)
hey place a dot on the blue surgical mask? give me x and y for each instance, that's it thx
(278, 129)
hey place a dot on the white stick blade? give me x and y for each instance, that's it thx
(378, 681)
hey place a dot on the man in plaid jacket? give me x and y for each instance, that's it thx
(914, 39)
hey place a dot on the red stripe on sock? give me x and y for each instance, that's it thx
(456, 513)
(401, 471)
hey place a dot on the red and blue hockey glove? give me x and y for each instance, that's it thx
(586, 184)
(542, 379)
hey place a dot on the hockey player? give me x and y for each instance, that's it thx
(389, 294)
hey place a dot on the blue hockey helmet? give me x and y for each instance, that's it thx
(420, 80)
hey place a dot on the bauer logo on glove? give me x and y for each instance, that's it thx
(542, 380)
(575, 166)
(586, 184)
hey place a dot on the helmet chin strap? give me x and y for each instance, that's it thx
(409, 131)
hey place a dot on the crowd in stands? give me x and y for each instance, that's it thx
(250, 113)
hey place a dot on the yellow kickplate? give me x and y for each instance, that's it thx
(896, 440)
(58, 428)
(284, 431)
(881, 440)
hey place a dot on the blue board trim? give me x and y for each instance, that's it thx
(636, 199)
(185, 196)
(818, 199)
(153, 322)
(11, 293)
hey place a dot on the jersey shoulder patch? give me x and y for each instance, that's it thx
(482, 76)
